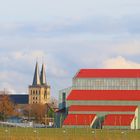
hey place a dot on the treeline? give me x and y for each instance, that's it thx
(36, 111)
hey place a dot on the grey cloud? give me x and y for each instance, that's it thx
(95, 25)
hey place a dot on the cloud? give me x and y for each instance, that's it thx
(66, 39)
(129, 47)
(120, 62)
(18, 68)
(44, 10)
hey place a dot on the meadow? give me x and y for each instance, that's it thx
(9, 133)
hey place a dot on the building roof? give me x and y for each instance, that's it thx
(36, 79)
(118, 120)
(118, 95)
(79, 119)
(43, 75)
(19, 99)
(102, 108)
(108, 73)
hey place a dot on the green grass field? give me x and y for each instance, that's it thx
(66, 134)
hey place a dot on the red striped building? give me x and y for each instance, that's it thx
(110, 97)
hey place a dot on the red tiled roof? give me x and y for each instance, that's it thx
(102, 108)
(108, 73)
(118, 120)
(119, 95)
(79, 119)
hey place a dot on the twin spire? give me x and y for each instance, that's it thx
(39, 79)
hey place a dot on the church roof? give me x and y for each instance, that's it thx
(36, 79)
(43, 75)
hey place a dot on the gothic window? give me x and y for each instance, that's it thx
(45, 94)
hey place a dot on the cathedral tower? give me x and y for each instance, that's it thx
(39, 91)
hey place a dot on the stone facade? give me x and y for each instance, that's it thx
(39, 91)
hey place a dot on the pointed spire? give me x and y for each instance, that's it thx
(36, 80)
(43, 75)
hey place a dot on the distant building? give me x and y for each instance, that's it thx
(21, 99)
(39, 91)
(102, 98)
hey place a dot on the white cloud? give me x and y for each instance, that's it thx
(120, 63)
(69, 35)
(131, 47)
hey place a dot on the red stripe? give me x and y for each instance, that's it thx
(79, 119)
(119, 95)
(118, 120)
(102, 108)
(108, 73)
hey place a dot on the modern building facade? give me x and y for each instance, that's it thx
(110, 98)
(39, 91)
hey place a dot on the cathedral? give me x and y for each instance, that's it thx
(39, 91)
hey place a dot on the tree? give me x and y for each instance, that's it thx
(54, 102)
(38, 111)
(7, 108)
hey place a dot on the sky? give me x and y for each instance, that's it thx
(66, 35)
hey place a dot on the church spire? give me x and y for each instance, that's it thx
(36, 80)
(43, 75)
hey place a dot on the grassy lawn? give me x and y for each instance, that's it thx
(66, 134)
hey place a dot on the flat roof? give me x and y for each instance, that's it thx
(108, 73)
